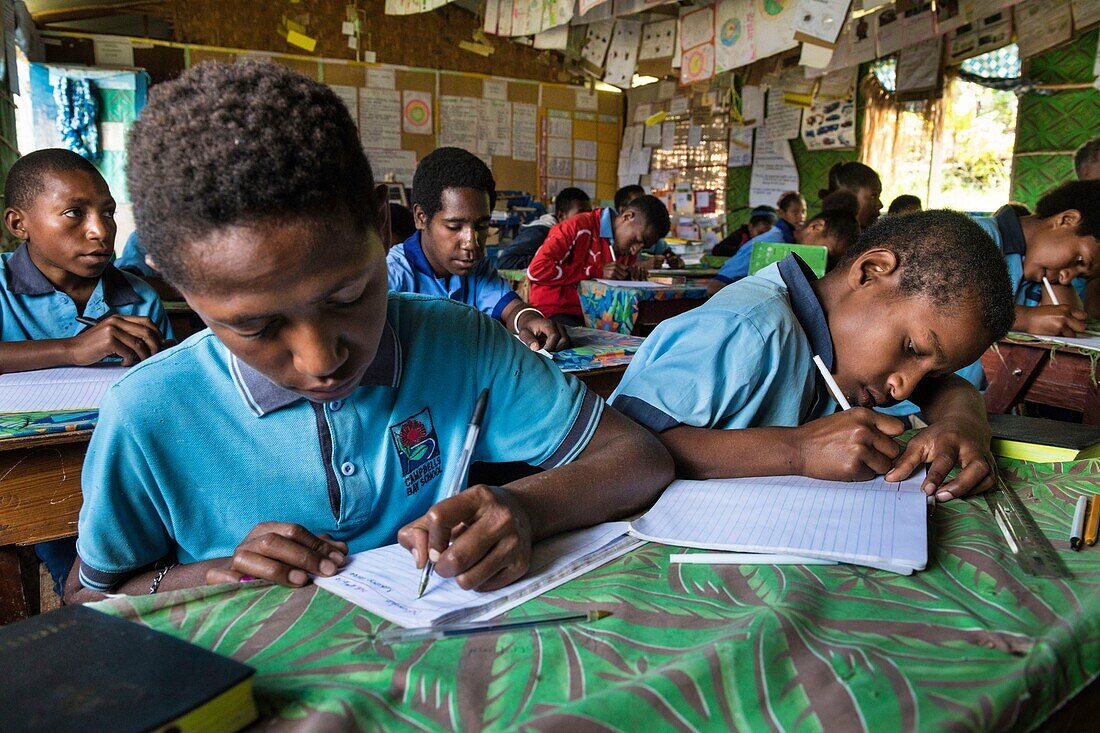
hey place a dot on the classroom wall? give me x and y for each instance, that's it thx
(426, 39)
(1050, 127)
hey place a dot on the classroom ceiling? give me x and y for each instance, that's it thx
(148, 18)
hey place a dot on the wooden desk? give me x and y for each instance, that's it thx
(1029, 371)
(602, 381)
(40, 500)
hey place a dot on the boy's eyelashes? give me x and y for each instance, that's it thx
(273, 325)
(77, 213)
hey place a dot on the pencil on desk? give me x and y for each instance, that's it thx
(1050, 291)
(398, 635)
(832, 385)
(1077, 529)
(461, 467)
(1092, 521)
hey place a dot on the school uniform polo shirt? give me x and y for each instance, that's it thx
(133, 258)
(31, 308)
(194, 447)
(737, 267)
(1004, 228)
(483, 288)
(743, 359)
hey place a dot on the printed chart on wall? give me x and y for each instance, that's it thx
(697, 46)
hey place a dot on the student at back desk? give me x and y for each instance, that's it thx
(60, 207)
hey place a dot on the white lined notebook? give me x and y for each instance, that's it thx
(384, 580)
(874, 523)
(63, 388)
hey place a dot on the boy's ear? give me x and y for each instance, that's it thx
(626, 215)
(1070, 218)
(420, 217)
(872, 265)
(151, 262)
(15, 221)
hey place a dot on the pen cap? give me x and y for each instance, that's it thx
(479, 409)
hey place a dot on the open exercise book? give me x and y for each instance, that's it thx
(874, 523)
(385, 580)
(64, 388)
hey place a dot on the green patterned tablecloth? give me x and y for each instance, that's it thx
(972, 643)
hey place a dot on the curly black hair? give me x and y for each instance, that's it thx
(626, 194)
(1080, 196)
(852, 176)
(652, 211)
(445, 168)
(568, 197)
(904, 204)
(948, 258)
(838, 211)
(230, 143)
(25, 178)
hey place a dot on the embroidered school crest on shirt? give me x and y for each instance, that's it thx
(418, 449)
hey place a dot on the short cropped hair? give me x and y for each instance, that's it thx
(1081, 196)
(445, 168)
(762, 214)
(25, 181)
(787, 199)
(852, 176)
(949, 259)
(627, 193)
(907, 202)
(652, 210)
(246, 142)
(568, 197)
(1087, 154)
(838, 212)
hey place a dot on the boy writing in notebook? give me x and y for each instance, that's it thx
(914, 300)
(453, 197)
(62, 302)
(1061, 242)
(602, 243)
(331, 411)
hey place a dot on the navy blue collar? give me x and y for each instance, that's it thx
(414, 253)
(1012, 234)
(24, 278)
(797, 276)
(788, 232)
(264, 396)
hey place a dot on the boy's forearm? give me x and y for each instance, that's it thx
(622, 471)
(953, 398)
(181, 576)
(1022, 319)
(25, 356)
(704, 453)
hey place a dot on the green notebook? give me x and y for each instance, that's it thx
(1043, 441)
(77, 669)
(766, 253)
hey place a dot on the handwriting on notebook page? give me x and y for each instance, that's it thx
(65, 388)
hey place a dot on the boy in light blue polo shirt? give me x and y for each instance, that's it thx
(60, 206)
(453, 197)
(319, 415)
(906, 306)
(132, 258)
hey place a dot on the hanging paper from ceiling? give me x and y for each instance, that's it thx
(411, 7)
(735, 27)
(597, 40)
(774, 26)
(820, 22)
(697, 45)
(622, 54)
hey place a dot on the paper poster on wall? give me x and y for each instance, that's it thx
(740, 147)
(983, 34)
(639, 161)
(622, 54)
(416, 112)
(917, 23)
(524, 131)
(888, 32)
(697, 46)
(553, 39)
(1041, 24)
(559, 167)
(773, 172)
(589, 187)
(380, 119)
(830, 125)
(556, 13)
(820, 21)
(458, 125)
(588, 100)
(583, 6)
(559, 147)
(783, 121)
(678, 106)
(652, 136)
(494, 89)
(668, 135)
(584, 149)
(349, 96)
(112, 51)
(774, 26)
(862, 39)
(495, 127)
(694, 136)
(918, 70)
(658, 40)
(752, 105)
(559, 123)
(400, 164)
(381, 77)
(584, 169)
(597, 39)
(735, 27)
(555, 185)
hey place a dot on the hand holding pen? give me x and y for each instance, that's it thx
(132, 338)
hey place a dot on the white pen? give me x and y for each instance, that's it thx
(1077, 530)
(1050, 291)
(833, 386)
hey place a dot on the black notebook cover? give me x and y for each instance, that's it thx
(76, 669)
(1036, 430)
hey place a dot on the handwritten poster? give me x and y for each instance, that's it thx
(380, 119)
(495, 127)
(658, 40)
(416, 112)
(398, 164)
(773, 172)
(783, 120)
(458, 122)
(918, 70)
(524, 131)
(622, 54)
(349, 96)
(697, 46)
(736, 29)
(740, 147)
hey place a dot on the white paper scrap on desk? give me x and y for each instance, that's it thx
(1092, 343)
(384, 580)
(65, 388)
(874, 523)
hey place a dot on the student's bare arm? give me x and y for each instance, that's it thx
(535, 329)
(621, 471)
(133, 338)
(849, 446)
(1049, 320)
(958, 435)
